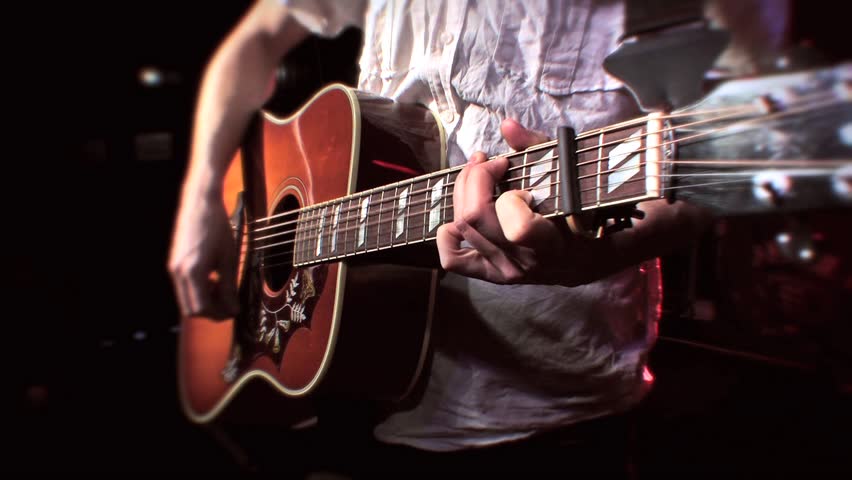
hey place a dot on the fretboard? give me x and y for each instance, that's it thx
(411, 211)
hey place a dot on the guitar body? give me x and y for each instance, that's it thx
(336, 328)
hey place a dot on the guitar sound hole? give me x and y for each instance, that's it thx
(277, 259)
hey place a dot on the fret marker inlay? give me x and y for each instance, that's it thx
(362, 220)
(435, 205)
(630, 167)
(400, 213)
(540, 178)
(319, 231)
(336, 222)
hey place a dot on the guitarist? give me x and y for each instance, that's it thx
(541, 336)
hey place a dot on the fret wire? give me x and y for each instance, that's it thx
(425, 208)
(336, 238)
(393, 214)
(327, 228)
(349, 240)
(600, 154)
(379, 228)
(558, 185)
(406, 223)
(311, 238)
(369, 198)
(447, 195)
(301, 245)
(346, 227)
(379, 221)
(305, 237)
(299, 235)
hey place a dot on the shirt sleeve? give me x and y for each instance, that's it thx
(327, 18)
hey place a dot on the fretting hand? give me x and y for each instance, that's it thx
(509, 243)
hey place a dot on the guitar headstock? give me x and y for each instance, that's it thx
(779, 142)
(775, 143)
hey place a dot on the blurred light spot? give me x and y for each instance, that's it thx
(845, 134)
(150, 77)
(139, 335)
(842, 182)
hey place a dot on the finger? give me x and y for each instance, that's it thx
(477, 208)
(191, 296)
(520, 224)
(492, 262)
(459, 184)
(485, 261)
(450, 251)
(514, 214)
(182, 296)
(518, 137)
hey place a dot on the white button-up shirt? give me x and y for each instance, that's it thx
(510, 360)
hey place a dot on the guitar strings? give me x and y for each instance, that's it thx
(738, 109)
(444, 209)
(804, 167)
(682, 140)
(367, 249)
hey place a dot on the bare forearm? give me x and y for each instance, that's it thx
(236, 83)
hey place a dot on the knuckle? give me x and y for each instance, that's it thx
(177, 269)
(449, 263)
(514, 233)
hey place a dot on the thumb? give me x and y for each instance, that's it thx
(518, 137)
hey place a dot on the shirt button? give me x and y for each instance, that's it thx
(448, 116)
(447, 38)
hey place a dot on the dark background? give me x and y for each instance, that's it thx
(93, 175)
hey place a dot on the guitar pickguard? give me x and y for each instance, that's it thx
(275, 320)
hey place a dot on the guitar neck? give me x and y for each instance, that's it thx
(410, 211)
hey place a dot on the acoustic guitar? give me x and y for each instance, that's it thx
(334, 209)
